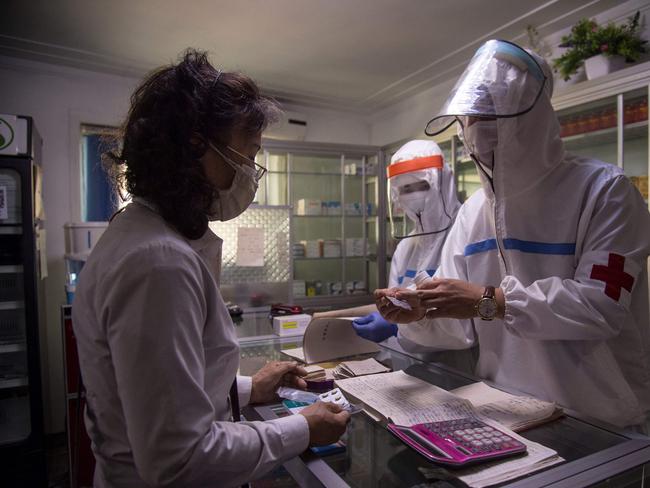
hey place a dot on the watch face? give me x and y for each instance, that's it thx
(487, 308)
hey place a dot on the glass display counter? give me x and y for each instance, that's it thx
(595, 454)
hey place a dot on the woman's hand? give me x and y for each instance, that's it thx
(394, 313)
(444, 298)
(273, 375)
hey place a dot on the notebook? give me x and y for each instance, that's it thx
(326, 339)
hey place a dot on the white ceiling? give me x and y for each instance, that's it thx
(358, 55)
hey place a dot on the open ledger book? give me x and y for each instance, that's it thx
(330, 338)
(407, 400)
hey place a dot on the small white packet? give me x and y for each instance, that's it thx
(399, 303)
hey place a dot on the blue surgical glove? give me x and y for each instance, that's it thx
(374, 327)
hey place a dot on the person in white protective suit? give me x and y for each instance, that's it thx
(545, 267)
(421, 184)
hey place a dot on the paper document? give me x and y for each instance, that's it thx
(326, 339)
(515, 412)
(350, 369)
(296, 353)
(250, 246)
(405, 399)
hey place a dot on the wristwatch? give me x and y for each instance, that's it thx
(486, 307)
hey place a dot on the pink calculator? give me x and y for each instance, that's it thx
(458, 442)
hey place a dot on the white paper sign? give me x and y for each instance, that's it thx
(250, 246)
(4, 210)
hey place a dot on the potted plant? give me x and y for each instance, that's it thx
(602, 49)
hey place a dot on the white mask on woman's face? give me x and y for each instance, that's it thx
(230, 203)
(482, 138)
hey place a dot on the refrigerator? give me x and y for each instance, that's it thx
(22, 453)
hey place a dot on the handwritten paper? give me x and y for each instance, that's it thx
(250, 246)
(405, 399)
(515, 412)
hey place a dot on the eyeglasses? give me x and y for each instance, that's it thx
(259, 170)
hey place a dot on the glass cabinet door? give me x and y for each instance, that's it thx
(635, 139)
(315, 193)
(372, 198)
(465, 172)
(590, 129)
(273, 188)
(335, 195)
(15, 423)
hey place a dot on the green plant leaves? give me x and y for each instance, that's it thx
(588, 39)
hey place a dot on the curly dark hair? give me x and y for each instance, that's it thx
(174, 112)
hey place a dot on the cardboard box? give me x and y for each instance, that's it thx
(332, 249)
(290, 325)
(355, 246)
(313, 249)
(299, 288)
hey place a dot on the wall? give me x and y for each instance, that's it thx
(60, 99)
(333, 126)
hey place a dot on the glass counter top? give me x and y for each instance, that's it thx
(374, 458)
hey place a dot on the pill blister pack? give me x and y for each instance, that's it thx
(336, 396)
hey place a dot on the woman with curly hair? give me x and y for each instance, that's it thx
(157, 348)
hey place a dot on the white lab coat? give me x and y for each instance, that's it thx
(557, 228)
(158, 354)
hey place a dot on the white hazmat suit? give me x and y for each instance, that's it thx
(566, 238)
(432, 210)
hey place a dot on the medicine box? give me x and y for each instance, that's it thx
(298, 288)
(355, 246)
(313, 249)
(291, 325)
(308, 206)
(332, 248)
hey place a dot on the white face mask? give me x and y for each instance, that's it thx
(482, 138)
(230, 203)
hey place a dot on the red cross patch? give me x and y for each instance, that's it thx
(613, 275)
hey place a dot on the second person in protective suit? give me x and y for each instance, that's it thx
(421, 187)
(423, 206)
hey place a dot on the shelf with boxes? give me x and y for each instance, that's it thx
(334, 192)
(611, 127)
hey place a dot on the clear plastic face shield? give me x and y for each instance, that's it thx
(416, 199)
(501, 80)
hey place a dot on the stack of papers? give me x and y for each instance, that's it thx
(515, 412)
(314, 373)
(350, 369)
(407, 400)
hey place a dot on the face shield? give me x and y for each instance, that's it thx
(501, 80)
(417, 205)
